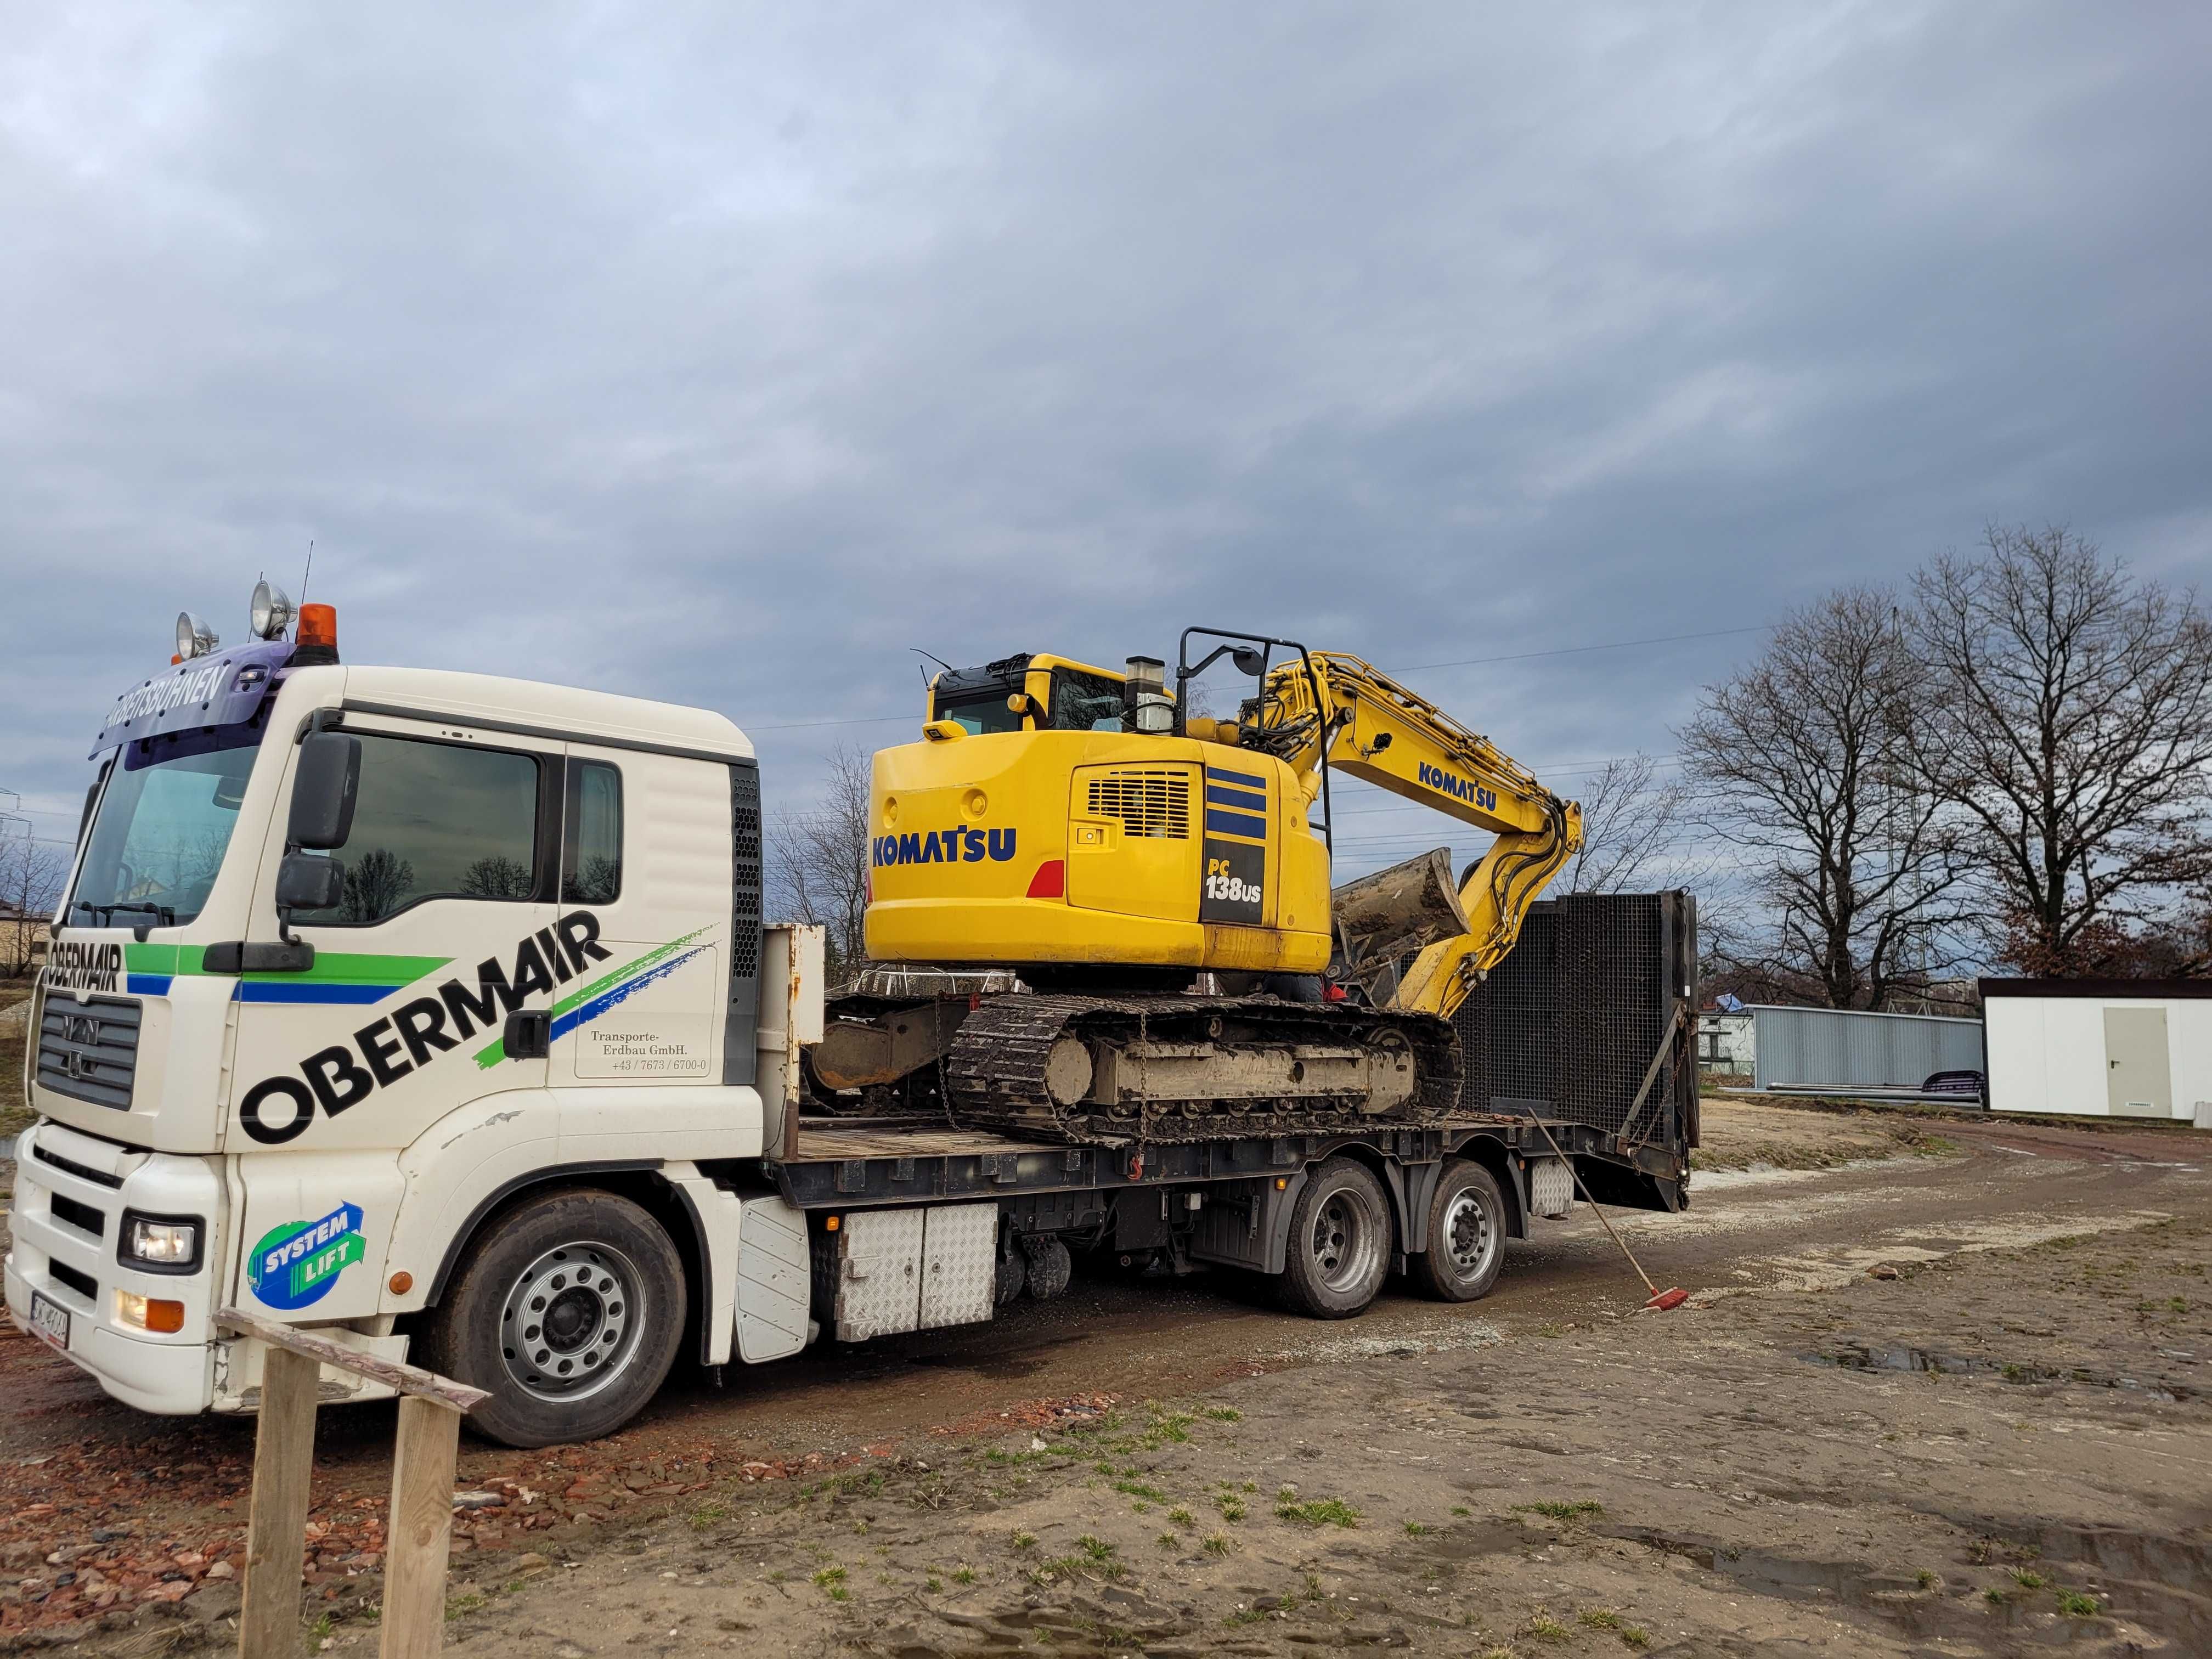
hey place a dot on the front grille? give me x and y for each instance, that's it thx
(1151, 802)
(90, 1050)
(83, 1171)
(82, 1216)
(82, 1283)
(1565, 1026)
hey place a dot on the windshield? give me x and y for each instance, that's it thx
(1080, 702)
(163, 826)
(982, 711)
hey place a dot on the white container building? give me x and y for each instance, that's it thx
(2100, 1048)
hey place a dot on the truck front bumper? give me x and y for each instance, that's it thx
(67, 1186)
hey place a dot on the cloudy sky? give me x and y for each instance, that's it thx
(722, 355)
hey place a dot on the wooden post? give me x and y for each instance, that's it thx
(421, 1526)
(277, 1526)
(422, 1529)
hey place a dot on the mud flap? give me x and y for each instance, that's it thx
(1245, 1222)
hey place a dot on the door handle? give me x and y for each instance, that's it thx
(529, 1034)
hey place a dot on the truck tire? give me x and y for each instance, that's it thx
(569, 1308)
(1340, 1243)
(1467, 1234)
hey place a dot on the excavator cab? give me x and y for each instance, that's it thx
(1051, 819)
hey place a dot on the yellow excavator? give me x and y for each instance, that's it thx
(1079, 827)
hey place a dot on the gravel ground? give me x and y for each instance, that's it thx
(1810, 1458)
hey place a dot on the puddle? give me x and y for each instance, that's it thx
(1953, 1609)
(1874, 1356)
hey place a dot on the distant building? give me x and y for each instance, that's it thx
(1728, 1041)
(22, 940)
(2101, 1048)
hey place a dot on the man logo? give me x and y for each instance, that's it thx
(80, 1027)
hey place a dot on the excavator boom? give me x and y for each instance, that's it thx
(1331, 707)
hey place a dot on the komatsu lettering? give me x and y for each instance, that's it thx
(943, 846)
(1458, 788)
(339, 1077)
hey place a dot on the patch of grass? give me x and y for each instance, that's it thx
(1635, 1636)
(1140, 1489)
(1551, 1329)
(1095, 1546)
(466, 1601)
(324, 1625)
(1415, 1529)
(1224, 1415)
(1318, 1512)
(859, 1528)
(933, 1584)
(1024, 1541)
(1181, 1516)
(1926, 1579)
(1580, 1510)
(1168, 1540)
(1216, 1544)
(1243, 1616)
(963, 1575)
(2075, 1605)
(1230, 1506)
(1545, 1628)
(778, 1576)
(1461, 1510)
(2027, 1578)
(707, 1516)
(1994, 1596)
(830, 1581)
(1598, 1617)
(1928, 1146)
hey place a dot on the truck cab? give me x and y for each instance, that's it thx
(409, 1004)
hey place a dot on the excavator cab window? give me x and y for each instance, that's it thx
(1085, 703)
(982, 711)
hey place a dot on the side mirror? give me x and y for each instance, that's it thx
(323, 788)
(306, 883)
(1249, 661)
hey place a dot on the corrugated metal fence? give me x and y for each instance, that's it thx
(1835, 1048)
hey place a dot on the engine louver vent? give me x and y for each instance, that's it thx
(1151, 802)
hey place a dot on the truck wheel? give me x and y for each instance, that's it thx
(569, 1309)
(1340, 1243)
(1467, 1235)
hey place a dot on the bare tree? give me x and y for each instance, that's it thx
(1634, 827)
(32, 872)
(819, 860)
(1802, 763)
(2071, 724)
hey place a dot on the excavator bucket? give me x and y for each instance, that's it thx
(1384, 919)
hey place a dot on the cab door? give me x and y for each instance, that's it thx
(646, 870)
(434, 974)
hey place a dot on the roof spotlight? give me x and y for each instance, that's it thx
(272, 612)
(194, 637)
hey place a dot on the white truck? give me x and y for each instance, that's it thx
(436, 1012)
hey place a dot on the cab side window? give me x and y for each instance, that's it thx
(591, 839)
(1085, 703)
(435, 820)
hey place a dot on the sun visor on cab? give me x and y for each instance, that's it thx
(221, 689)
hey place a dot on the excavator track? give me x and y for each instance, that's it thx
(1009, 1068)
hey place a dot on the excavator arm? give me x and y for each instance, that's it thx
(1331, 707)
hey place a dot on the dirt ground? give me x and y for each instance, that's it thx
(1947, 1396)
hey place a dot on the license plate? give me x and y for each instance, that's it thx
(49, 1322)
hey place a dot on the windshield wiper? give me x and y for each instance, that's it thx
(164, 916)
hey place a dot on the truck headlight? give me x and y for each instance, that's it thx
(159, 1243)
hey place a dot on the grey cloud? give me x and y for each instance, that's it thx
(721, 356)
